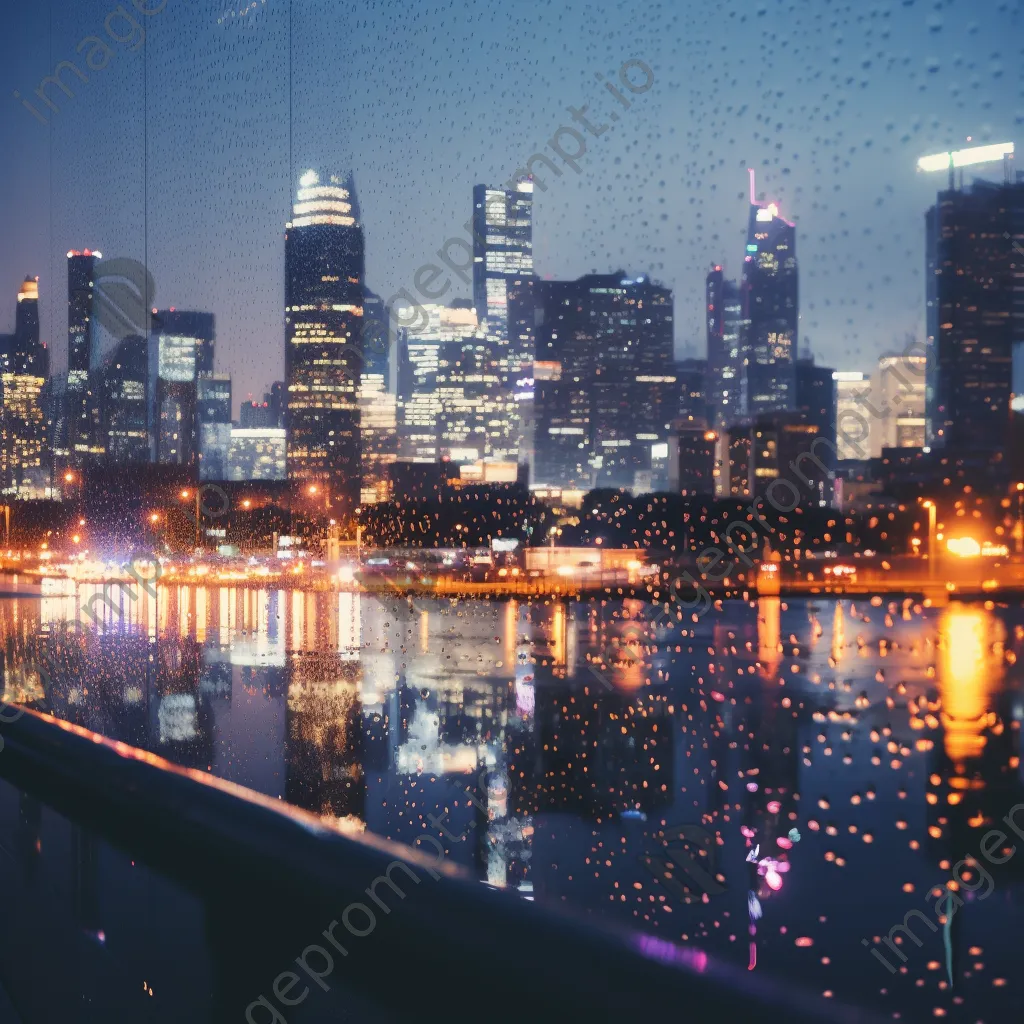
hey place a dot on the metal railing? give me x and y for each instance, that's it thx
(279, 888)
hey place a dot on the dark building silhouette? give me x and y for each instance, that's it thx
(324, 294)
(612, 390)
(693, 401)
(75, 442)
(24, 365)
(691, 455)
(975, 314)
(771, 301)
(214, 425)
(725, 331)
(504, 297)
(183, 344)
(124, 386)
(28, 353)
(816, 400)
(777, 454)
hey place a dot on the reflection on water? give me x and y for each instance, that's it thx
(971, 671)
(774, 782)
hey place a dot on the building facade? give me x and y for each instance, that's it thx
(25, 464)
(324, 296)
(853, 422)
(76, 441)
(899, 392)
(213, 419)
(124, 390)
(183, 345)
(612, 387)
(771, 309)
(421, 394)
(259, 453)
(975, 312)
(503, 294)
(726, 325)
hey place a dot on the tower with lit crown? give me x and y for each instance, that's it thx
(24, 464)
(771, 300)
(324, 314)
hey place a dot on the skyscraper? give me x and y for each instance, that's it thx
(771, 307)
(213, 417)
(184, 342)
(76, 435)
(503, 293)
(725, 328)
(124, 390)
(975, 312)
(24, 464)
(899, 392)
(257, 453)
(853, 414)
(612, 387)
(324, 296)
(29, 354)
(378, 424)
(816, 399)
(419, 351)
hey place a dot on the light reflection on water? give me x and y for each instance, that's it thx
(578, 755)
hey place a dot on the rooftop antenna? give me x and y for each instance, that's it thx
(753, 194)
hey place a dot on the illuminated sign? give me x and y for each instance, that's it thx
(966, 157)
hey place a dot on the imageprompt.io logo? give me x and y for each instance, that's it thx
(123, 294)
(686, 868)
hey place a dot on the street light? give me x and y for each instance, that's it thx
(185, 495)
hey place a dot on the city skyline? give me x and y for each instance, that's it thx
(234, 218)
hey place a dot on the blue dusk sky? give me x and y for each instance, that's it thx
(184, 151)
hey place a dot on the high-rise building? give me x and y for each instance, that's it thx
(378, 409)
(612, 387)
(213, 418)
(29, 354)
(183, 341)
(124, 387)
(469, 398)
(6, 350)
(268, 413)
(419, 351)
(692, 403)
(503, 293)
(692, 459)
(816, 400)
(725, 332)
(771, 309)
(258, 454)
(76, 442)
(779, 446)
(324, 296)
(277, 399)
(853, 414)
(975, 312)
(25, 468)
(899, 393)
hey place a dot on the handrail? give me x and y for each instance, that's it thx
(274, 877)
